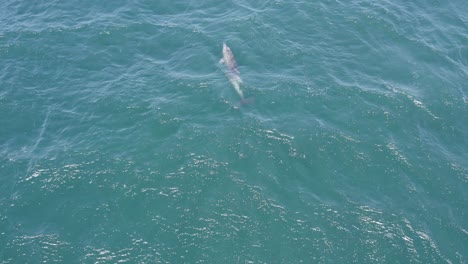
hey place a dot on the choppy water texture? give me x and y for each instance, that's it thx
(121, 140)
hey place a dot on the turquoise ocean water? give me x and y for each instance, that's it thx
(122, 141)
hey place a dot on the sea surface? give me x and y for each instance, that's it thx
(122, 140)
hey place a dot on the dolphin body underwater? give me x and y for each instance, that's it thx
(233, 73)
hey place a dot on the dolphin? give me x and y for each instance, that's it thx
(233, 74)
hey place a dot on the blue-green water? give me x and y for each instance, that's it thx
(121, 140)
